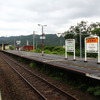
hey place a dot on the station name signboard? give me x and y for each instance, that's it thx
(18, 42)
(69, 47)
(42, 37)
(92, 45)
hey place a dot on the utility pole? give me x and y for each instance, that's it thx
(36, 42)
(80, 44)
(33, 40)
(14, 43)
(42, 38)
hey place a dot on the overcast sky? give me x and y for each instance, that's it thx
(21, 17)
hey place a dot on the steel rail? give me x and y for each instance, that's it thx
(41, 96)
(61, 91)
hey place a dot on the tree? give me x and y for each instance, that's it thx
(96, 31)
(11, 48)
(69, 36)
(80, 27)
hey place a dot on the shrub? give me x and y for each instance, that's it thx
(60, 50)
(38, 50)
(50, 48)
(32, 64)
(97, 93)
(11, 48)
(94, 90)
(47, 51)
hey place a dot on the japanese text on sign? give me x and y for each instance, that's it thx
(92, 45)
(70, 45)
(94, 40)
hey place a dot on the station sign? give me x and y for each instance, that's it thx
(42, 37)
(69, 47)
(92, 45)
(18, 42)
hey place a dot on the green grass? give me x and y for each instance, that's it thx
(94, 90)
(31, 64)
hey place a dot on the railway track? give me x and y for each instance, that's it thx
(44, 89)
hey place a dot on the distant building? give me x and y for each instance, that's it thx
(24, 48)
(4, 46)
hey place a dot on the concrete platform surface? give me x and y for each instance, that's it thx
(90, 68)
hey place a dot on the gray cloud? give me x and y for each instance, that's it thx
(19, 14)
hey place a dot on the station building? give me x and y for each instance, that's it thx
(4, 46)
(24, 48)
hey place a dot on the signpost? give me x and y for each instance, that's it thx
(18, 42)
(69, 47)
(42, 37)
(92, 46)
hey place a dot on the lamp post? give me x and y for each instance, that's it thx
(42, 38)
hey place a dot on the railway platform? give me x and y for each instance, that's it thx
(90, 69)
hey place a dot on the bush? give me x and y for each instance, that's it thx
(92, 55)
(31, 50)
(32, 64)
(47, 51)
(50, 48)
(11, 48)
(38, 50)
(97, 93)
(94, 90)
(60, 50)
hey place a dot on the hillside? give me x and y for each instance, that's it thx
(51, 40)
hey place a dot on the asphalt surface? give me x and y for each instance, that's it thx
(90, 68)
